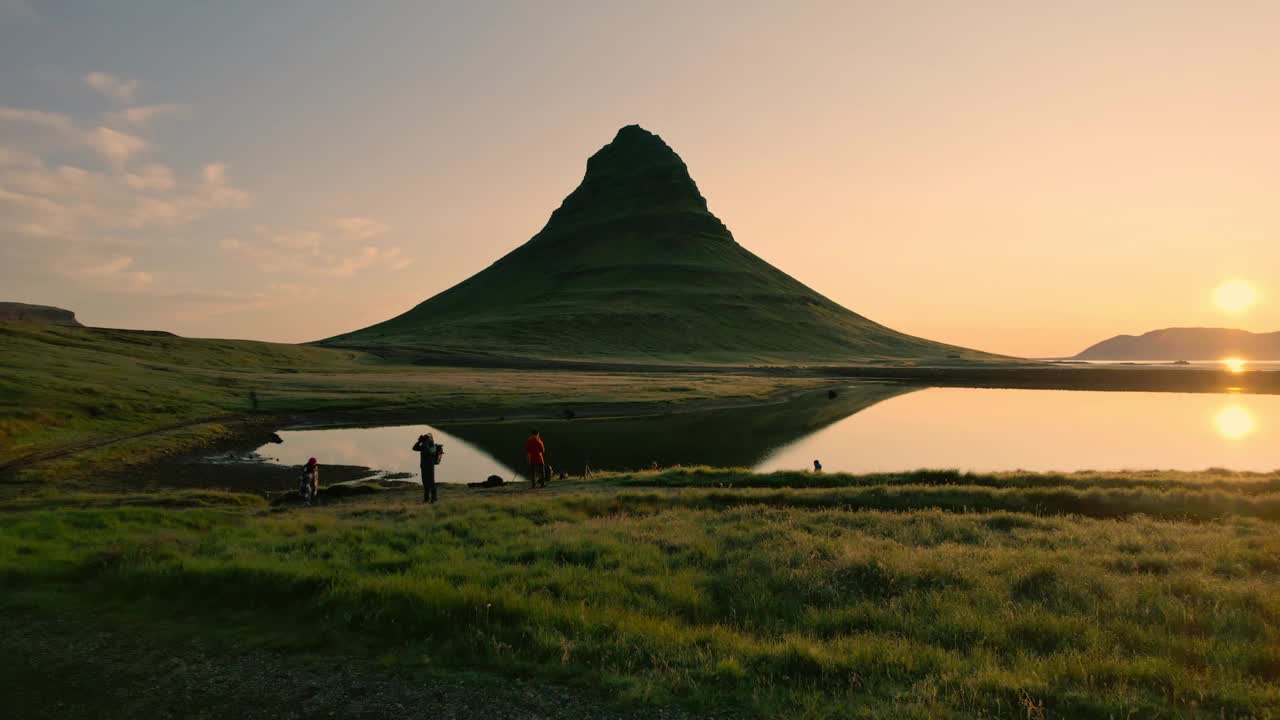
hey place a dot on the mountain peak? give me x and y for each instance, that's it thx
(633, 152)
(636, 142)
(635, 133)
(636, 175)
(633, 265)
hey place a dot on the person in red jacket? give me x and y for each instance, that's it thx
(536, 451)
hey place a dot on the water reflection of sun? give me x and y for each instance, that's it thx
(1235, 365)
(1233, 422)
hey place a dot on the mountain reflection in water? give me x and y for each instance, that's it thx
(871, 427)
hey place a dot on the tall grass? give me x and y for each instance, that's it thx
(978, 600)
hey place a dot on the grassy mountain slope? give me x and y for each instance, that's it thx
(633, 266)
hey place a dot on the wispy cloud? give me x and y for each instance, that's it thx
(210, 303)
(75, 204)
(153, 177)
(118, 275)
(80, 215)
(37, 128)
(57, 123)
(309, 252)
(213, 192)
(361, 229)
(115, 273)
(141, 116)
(15, 157)
(110, 86)
(90, 202)
(114, 146)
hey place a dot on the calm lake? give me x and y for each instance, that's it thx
(867, 428)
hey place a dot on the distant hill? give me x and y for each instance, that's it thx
(43, 314)
(1187, 344)
(633, 266)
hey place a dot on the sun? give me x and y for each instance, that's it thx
(1234, 422)
(1235, 296)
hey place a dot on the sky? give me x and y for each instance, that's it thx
(1023, 178)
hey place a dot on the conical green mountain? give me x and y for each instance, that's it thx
(634, 267)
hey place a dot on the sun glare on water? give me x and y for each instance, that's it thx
(1234, 422)
(1235, 365)
(1235, 296)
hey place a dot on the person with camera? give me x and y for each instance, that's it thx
(430, 454)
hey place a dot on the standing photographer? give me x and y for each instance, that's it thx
(430, 455)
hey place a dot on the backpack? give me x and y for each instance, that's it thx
(439, 454)
(304, 485)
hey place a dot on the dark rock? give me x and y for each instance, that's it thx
(42, 314)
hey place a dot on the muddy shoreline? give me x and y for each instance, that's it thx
(1136, 378)
(1013, 375)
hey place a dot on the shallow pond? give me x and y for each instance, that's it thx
(866, 428)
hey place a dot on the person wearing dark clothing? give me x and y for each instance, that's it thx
(309, 482)
(429, 455)
(536, 451)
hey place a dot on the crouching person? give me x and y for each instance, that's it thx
(309, 482)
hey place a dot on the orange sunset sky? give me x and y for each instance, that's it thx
(1023, 178)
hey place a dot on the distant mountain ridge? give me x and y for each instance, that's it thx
(633, 266)
(43, 314)
(1187, 344)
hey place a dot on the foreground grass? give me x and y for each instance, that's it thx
(920, 595)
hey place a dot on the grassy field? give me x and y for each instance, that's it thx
(66, 389)
(923, 595)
